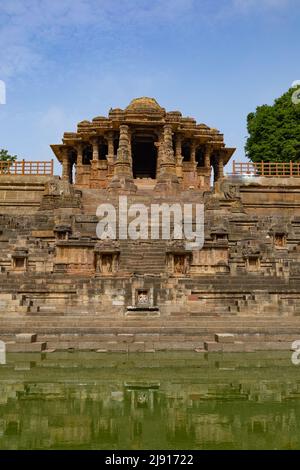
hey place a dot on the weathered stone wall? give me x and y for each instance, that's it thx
(269, 196)
(22, 194)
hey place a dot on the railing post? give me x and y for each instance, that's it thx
(233, 167)
(291, 168)
(52, 165)
(23, 167)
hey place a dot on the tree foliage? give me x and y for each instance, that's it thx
(274, 131)
(6, 157)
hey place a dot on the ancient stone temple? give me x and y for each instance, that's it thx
(129, 149)
(239, 290)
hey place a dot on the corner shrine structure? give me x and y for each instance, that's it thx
(240, 292)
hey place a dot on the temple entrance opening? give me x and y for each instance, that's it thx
(144, 157)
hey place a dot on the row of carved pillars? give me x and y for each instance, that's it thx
(217, 163)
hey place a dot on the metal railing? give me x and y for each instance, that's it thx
(266, 169)
(27, 168)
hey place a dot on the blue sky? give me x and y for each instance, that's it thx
(68, 60)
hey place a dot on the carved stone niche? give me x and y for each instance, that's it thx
(219, 234)
(279, 236)
(178, 258)
(107, 254)
(19, 260)
(62, 232)
(253, 263)
(143, 298)
(252, 257)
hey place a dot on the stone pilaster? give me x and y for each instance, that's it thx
(123, 178)
(167, 178)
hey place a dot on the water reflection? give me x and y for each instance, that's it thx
(152, 401)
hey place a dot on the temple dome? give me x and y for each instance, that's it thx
(144, 104)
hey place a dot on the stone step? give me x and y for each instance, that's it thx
(26, 347)
(224, 338)
(240, 346)
(123, 321)
(136, 346)
(26, 338)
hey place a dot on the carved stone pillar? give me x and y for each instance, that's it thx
(79, 154)
(95, 170)
(178, 156)
(220, 166)
(79, 169)
(207, 155)
(66, 167)
(129, 146)
(110, 153)
(178, 149)
(158, 145)
(95, 149)
(123, 178)
(204, 172)
(167, 179)
(193, 152)
(110, 145)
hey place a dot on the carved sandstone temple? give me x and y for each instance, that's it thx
(59, 280)
(140, 146)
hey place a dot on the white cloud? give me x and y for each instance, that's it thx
(24, 23)
(28, 25)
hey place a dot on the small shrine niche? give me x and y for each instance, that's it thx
(219, 234)
(62, 232)
(106, 263)
(253, 263)
(279, 240)
(178, 258)
(143, 300)
(180, 264)
(106, 258)
(279, 235)
(143, 297)
(20, 261)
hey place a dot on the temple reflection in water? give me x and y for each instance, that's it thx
(167, 402)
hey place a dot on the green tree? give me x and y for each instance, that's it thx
(274, 131)
(6, 157)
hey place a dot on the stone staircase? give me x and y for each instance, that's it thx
(25, 342)
(146, 257)
(154, 334)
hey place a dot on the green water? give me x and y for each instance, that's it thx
(151, 401)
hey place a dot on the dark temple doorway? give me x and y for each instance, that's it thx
(144, 159)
